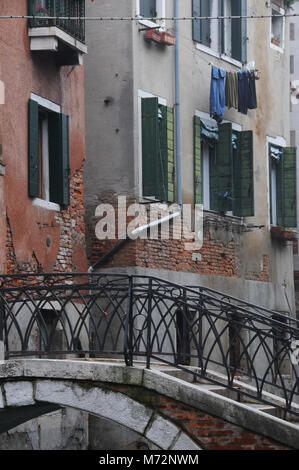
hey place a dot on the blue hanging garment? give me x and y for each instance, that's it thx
(217, 94)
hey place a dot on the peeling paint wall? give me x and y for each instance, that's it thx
(37, 238)
(34, 239)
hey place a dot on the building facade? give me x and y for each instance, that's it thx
(150, 137)
(43, 143)
(42, 152)
(294, 137)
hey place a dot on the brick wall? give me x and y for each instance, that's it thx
(209, 432)
(220, 253)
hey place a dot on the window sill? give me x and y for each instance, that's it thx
(276, 48)
(219, 56)
(50, 206)
(151, 24)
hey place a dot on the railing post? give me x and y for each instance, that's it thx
(149, 324)
(128, 340)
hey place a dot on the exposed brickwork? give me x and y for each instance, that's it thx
(71, 228)
(10, 252)
(71, 225)
(263, 275)
(210, 432)
(220, 255)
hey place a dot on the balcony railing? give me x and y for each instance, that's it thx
(43, 9)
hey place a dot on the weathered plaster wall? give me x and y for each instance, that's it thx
(29, 226)
(113, 158)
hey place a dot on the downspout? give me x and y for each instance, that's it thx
(177, 104)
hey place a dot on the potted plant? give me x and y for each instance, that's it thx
(276, 40)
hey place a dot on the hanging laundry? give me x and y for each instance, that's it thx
(243, 92)
(217, 94)
(252, 100)
(231, 90)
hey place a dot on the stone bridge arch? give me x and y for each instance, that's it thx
(159, 404)
(27, 399)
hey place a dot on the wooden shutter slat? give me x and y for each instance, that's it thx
(59, 158)
(221, 174)
(197, 161)
(288, 184)
(33, 160)
(243, 183)
(65, 160)
(170, 156)
(150, 147)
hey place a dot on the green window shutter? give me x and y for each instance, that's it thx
(221, 171)
(59, 167)
(33, 160)
(201, 28)
(243, 193)
(197, 161)
(65, 160)
(150, 147)
(239, 31)
(286, 189)
(166, 173)
(170, 156)
(162, 163)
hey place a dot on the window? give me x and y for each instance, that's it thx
(158, 170)
(151, 9)
(277, 27)
(148, 8)
(282, 177)
(223, 168)
(227, 37)
(48, 160)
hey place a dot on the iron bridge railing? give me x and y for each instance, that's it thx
(41, 9)
(247, 349)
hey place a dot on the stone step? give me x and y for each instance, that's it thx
(265, 408)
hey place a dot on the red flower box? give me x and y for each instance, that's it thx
(161, 37)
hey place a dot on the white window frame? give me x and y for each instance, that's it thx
(163, 101)
(282, 44)
(206, 162)
(278, 142)
(216, 40)
(161, 12)
(46, 203)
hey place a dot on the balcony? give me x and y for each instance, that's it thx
(64, 37)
